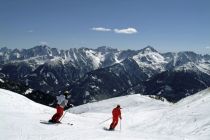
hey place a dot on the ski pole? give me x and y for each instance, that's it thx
(120, 125)
(63, 115)
(105, 120)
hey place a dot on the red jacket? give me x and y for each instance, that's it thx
(116, 113)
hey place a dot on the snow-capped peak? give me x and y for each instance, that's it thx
(148, 49)
(149, 57)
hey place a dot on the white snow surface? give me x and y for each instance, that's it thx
(28, 91)
(143, 118)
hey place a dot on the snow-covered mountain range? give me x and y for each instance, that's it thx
(96, 74)
(142, 118)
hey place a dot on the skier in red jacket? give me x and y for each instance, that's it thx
(116, 113)
(62, 102)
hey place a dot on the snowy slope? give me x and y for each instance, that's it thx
(143, 119)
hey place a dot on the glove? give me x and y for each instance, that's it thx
(71, 105)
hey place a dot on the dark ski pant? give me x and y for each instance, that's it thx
(114, 123)
(56, 117)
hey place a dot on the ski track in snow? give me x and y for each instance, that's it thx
(143, 119)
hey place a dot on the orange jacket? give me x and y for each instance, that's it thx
(116, 113)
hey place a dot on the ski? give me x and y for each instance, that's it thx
(105, 128)
(47, 122)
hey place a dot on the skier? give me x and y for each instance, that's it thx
(116, 113)
(61, 103)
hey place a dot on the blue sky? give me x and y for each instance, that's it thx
(167, 25)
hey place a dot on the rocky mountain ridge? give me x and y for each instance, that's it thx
(104, 72)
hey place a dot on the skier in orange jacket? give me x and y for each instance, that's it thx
(116, 113)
